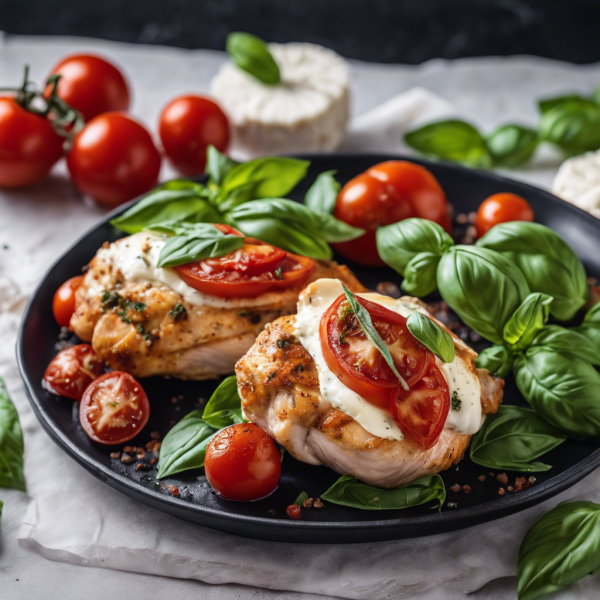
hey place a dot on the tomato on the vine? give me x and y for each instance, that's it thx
(63, 304)
(501, 208)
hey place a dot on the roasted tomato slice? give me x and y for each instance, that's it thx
(114, 408)
(357, 362)
(72, 370)
(422, 412)
(255, 268)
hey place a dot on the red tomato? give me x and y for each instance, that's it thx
(72, 370)
(113, 159)
(114, 408)
(368, 202)
(29, 146)
(356, 361)
(501, 208)
(243, 463)
(187, 126)
(63, 305)
(422, 412)
(91, 84)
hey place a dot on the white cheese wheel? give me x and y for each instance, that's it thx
(306, 112)
(578, 182)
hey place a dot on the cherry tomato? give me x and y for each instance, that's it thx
(356, 361)
(368, 202)
(422, 412)
(113, 159)
(501, 208)
(243, 463)
(255, 268)
(63, 305)
(114, 408)
(72, 370)
(91, 84)
(187, 126)
(29, 146)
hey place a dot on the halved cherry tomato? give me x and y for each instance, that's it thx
(501, 208)
(357, 362)
(422, 412)
(72, 370)
(243, 463)
(63, 304)
(114, 408)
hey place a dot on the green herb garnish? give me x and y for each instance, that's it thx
(456, 401)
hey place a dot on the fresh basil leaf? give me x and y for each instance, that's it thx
(453, 140)
(347, 491)
(568, 340)
(432, 336)
(482, 287)
(590, 329)
(301, 498)
(184, 447)
(420, 275)
(512, 145)
(11, 444)
(496, 359)
(1, 505)
(513, 438)
(323, 193)
(574, 100)
(225, 406)
(364, 318)
(574, 128)
(252, 55)
(560, 548)
(561, 388)
(596, 95)
(218, 165)
(527, 320)
(548, 263)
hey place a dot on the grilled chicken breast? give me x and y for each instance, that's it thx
(147, 328)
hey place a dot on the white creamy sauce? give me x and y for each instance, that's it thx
(314, 301)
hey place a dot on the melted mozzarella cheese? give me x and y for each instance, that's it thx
(462, 381)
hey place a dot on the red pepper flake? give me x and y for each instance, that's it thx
(501, 491)
(318, 503)
(174, 490)
(155, 435)
(466, 489)
(455, 488)
(481, 478)
(294, 511)
(153, 461)
(521, 484)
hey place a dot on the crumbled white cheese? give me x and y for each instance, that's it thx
(578, 182)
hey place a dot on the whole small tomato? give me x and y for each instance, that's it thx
(187, 126)
(501, 208)
(63, 304)
(113, 159)
(91, 84)
(243, 463)
(29, 146)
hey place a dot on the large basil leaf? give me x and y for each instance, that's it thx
(1, 505)
(548, 263)
(513, 438)
(562, 388)
(527, 320)
(218, 165)
(11, 444)
(184, 447)
(562, 101)
(225, 406)
(496, 359)
(562, 547)
(420, 275)
(512, 145)
(251, 54)
(432, 336)
(568, 340)
(347, 491)
(574, 127)
(482, 287)
(323, 193)
(590, 328)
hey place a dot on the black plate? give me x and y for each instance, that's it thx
(197, 503)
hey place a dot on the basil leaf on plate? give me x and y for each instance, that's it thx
(590, 328)
(562, 101)
(482, 287)
(301, 498)
(432, 336)
(560, 548)
(512, 145)
(252, 55)
(225, 406)
(573, 127)
(11, 444)
(561, 388)
(513, 438)
(496, 359)
(323, 193)
(527, 320)
(596, 95)
(218, 165)
(348, 491)
(568, 340)
(453, 140)
(548, 263)
(184, 447)
(364, 318)
(1, 505)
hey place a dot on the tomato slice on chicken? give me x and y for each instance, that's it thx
(114, 408)
(72, 370)
(421, 413)
(358, 363)
(254, 269)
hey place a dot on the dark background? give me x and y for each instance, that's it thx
(402, 31)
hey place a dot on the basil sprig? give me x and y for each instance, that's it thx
(218, 165)
(364, 319)
(512, 438)
(590, 329)
(496, 359)
(323, 193)
(561, 548)
(348, 491)
(251, 54)
(11, 444)
(512, 145)
(225, 406)
(529, 318)
(432, 336)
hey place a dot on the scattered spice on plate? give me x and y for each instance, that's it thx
(127, 459)
(481, 478)
(173, 490)
(455, 488)
(308, 502)
(502, 478)
(318, 503)
(115, 455)
(501, 491)
(466, 489)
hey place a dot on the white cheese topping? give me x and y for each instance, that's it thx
(578, 182)
(314, 301)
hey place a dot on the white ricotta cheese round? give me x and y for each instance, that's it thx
(578, 182)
